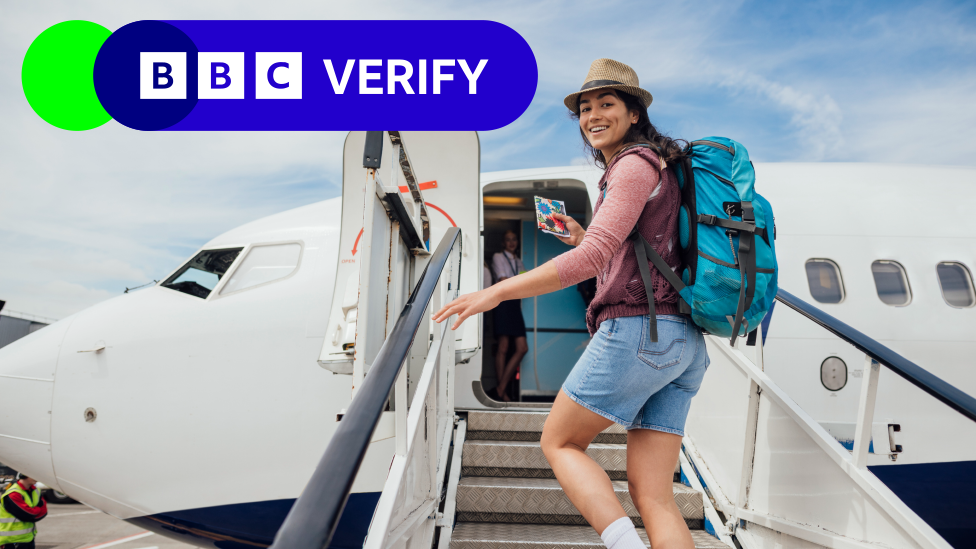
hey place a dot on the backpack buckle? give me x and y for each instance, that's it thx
(747, 214)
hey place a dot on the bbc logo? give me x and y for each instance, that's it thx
(220, 75)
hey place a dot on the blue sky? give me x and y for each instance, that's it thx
(83, 215)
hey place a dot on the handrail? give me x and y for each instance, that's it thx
(315, 515)
(915, 374)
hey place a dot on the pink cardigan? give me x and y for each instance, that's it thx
(632, 191)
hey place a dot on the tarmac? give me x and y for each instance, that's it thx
(76, 526)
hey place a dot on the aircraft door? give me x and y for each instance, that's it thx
(446, 168)
(555, 322)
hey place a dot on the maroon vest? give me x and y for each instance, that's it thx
(619, 288)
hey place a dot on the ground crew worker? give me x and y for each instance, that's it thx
(20, 508)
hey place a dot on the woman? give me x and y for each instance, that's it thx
(509, 323)
(622, 376)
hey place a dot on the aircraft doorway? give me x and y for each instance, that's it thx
(555, 323)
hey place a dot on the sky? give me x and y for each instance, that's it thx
(83, 215)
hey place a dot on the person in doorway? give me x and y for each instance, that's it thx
(623, 377)
(509, 324)
(20, 507)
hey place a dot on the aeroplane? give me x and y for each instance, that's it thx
(199, 407)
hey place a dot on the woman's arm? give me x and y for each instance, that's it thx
(632, 181)
(542, 280)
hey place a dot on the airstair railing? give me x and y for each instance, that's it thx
(792, 477)
(915, 374)
(313, 519)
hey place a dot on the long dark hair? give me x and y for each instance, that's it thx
(643, 131)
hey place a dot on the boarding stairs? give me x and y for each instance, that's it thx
(755, 470)
(508, 496)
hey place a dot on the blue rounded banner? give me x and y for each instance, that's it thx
(315, 75)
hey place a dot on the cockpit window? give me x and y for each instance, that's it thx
(202, 273)
(264, 264)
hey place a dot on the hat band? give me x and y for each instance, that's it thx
(600, 83)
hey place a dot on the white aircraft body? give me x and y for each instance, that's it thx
(200, 406)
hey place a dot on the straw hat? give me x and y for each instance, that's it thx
(607, 73)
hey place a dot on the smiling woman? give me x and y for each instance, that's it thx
(601, 125)
(625, 377)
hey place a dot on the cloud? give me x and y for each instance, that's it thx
(85, 214)
(111, 269)
(53, 298)
(918, 125)
(816, 118)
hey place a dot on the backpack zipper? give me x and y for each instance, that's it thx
(714, 145)
(719, 177)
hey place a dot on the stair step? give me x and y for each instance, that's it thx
(509, 458)
(525, 426)
(487, 535)
(542, 501)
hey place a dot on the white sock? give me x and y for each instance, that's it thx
(621, 534)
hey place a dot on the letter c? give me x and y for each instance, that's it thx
(271, 79)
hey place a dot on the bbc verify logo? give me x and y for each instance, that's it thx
(220, 75)
(284, 75)
(278, 75)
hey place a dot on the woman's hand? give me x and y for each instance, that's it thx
(468, 305)
(576, 233)
(541, 280)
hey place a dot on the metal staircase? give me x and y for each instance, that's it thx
(509, 498)
(774, 476)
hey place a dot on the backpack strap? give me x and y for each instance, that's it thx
(747, 270)
(644, 251)
(645, 272)
(734, 225)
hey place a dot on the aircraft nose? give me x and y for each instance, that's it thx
(27, 368)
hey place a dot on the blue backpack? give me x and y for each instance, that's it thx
(727, 237)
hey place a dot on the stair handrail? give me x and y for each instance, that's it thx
(313, 518)
(920, 377)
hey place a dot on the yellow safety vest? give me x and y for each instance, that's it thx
(12, 530)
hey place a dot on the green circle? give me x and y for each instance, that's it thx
(58, 75)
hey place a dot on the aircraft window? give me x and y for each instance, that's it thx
(957, 284)
(833, 373)
(892, 283)
(264, 264)
(826, 284)
(202, 273)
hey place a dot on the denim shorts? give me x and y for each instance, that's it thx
(626, 378)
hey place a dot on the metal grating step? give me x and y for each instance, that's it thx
(525, 426)
(530, 436)
(482, 535)
(542, 501)
(507, 458)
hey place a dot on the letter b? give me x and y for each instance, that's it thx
(162, 75)
(219, 71)
(220, 75)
